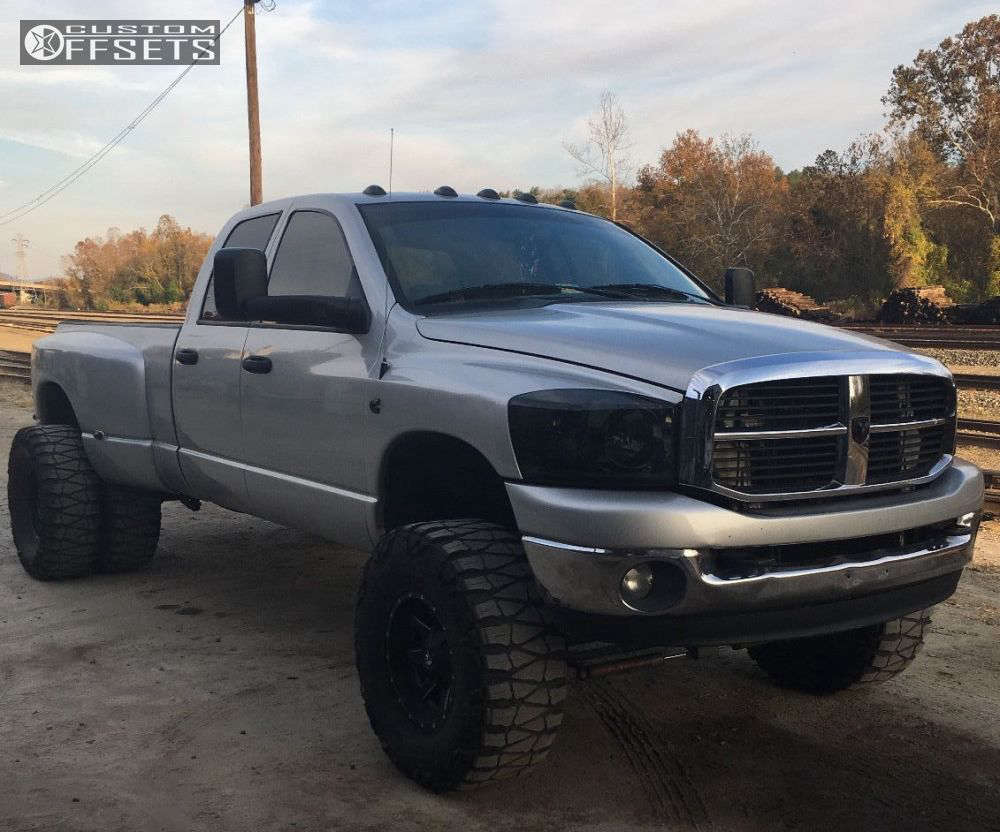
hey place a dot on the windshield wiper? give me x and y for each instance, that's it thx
(646, 289)
(511, 290)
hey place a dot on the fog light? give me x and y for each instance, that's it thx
(637, 583)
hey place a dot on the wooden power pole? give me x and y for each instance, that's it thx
(253, 106)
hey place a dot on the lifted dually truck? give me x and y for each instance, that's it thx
(565, 453)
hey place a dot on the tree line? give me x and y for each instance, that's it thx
(137, 270)
(917, 203)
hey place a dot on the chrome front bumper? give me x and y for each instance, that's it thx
(580, 543)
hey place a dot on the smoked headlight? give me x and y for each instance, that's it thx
(594, 438)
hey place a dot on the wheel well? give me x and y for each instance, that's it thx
(432, 476)
(54, 407)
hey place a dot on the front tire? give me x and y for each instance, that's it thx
(830, 663)
(462, 674)
(54, 498)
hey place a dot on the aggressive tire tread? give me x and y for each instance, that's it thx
(54, 500)
(131, 529)
(510, 719)
(854, 658)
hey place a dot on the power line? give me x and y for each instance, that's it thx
(74, 175)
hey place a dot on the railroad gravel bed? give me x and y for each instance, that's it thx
(964, 358)
(979, 404)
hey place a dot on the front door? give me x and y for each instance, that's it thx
(305, 393)
(207, 374)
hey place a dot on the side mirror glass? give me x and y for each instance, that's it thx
(239, 275)
(739, 287)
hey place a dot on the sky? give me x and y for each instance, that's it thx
(481, 93)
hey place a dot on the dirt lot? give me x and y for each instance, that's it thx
(217, 692)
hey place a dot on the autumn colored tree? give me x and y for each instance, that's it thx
(713, 203)
(950, 96)
(135, 268)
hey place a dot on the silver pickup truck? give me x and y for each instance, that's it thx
(566, 454)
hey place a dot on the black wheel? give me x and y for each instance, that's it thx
(462, 674)
(55, 503)
(826, 664)
(131, 529)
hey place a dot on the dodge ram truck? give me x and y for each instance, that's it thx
(566, 455)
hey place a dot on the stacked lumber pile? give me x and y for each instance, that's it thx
(925, 305)
(794, 304)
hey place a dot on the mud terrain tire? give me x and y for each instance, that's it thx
(130, 530)
(830, 663)
(54, 498)
(462, 674)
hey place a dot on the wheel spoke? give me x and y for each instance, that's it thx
(419, 661)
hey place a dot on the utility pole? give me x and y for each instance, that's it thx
(21, 244)
(253, 106)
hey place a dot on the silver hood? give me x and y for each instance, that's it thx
(665, 344)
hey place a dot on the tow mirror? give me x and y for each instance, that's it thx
(341, 314)
(239, 275)
(739, 287)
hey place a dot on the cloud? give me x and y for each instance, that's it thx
(479, 93)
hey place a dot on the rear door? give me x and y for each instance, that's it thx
(304, 392)
(206, 387)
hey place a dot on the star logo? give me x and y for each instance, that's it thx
(43, 42)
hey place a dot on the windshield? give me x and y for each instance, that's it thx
(458, 253)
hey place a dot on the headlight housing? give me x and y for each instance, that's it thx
(594, 438)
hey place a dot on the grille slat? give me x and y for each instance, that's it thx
(902, 398)
(809, 463)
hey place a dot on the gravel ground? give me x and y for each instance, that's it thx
(965, 358)
(981, 455)
(979, 404)
(216, 691)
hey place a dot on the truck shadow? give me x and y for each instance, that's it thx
(692, 745)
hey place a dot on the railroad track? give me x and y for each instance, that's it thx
(15, 365)
(980, 431)
(992, 478)
(977, 381)
(947, 337)
(46, 320)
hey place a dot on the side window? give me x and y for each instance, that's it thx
(252, 233)
(313, 259)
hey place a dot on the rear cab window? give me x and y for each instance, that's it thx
(254, 232)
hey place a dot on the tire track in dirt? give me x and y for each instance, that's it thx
(673, 795)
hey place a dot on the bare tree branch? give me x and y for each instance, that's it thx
(605, 156)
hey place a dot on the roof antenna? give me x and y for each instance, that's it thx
(392, 142)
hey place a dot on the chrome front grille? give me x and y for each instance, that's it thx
(794, 436)
(927, 405)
